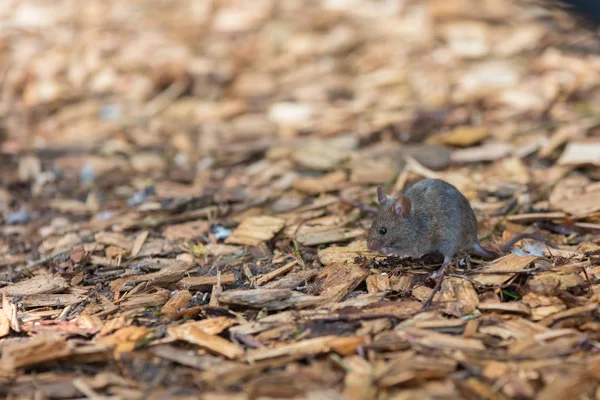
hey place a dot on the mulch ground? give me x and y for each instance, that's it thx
(171, 222)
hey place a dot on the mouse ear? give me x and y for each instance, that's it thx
(402, 206)
(381, 196)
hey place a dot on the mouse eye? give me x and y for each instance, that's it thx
(383, 230)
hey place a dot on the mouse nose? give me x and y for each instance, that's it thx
(373, 244)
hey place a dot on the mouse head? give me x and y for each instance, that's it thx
(390, 227)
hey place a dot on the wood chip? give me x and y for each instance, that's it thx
(125, 339)
(40, 284)
(178, 301)
(504, 266)
(573, 312)
(436, 340)
(339, 279)
(326, 183)
(257, 298)
(308, 347)
(378, 283)
(517, 308)
(255, 230)
(487, 152)
(341, 254)
(464, 136)
(205, 282)
(138, 243)
(169, 274)
(216, 344)
(323, 235)
(581, 153)
(532, 217)
(460, 295)
(33, 352)
(276, 273)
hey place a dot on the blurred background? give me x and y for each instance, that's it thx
(210, 139)
(174, 90)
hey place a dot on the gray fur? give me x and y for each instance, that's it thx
(441, 220)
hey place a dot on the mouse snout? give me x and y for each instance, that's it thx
(374, 245)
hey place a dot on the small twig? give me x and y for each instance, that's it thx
(506, 272)
(43, 260)
(436, 289)
(298, 254)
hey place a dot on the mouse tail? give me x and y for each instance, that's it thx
(508, 245)
(483, 252)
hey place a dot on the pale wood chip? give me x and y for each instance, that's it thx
(10, 313)
(550, 282)
(169, 274)
(293, 280)
(348, 253)
(33, 352)
(216, 344)
(408, 366)
(258, 298)
(575, 195)
(312, 236)
(440, 324)
(487, 152)
(323, 344)
(219, 249)
(205, 282)
(51, 300)
(186, 230)
(460, 295)
(358, 382)
(378, 283)
(339, 279)
(572, 312)
(464, 136)
(402, 283)
(4, 324)
(581, 153)
(39, 284)
(507, 263)
(545, 348)
(177, 302)
(114, 239)
(560, 137)
(539, 313)
(90, 322)
(359, 301)
(158, 298)
(514, 307)
(125, 339)
(276, 273)
(372, 171)
(211, 326)
(532, 217)
(326, 183)
(437, 340)
(323, 155)
(138, 243)
(185, 357)
(255, 230)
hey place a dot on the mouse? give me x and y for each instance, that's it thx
(432, 216)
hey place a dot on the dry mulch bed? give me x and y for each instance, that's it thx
(171, 223)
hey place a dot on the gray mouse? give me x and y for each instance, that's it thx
(431, 216)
